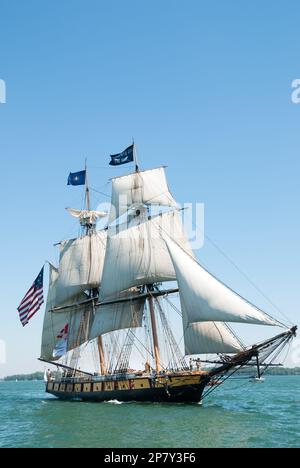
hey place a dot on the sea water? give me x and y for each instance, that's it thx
(238, 414)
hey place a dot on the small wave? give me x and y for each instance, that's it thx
(115, 402)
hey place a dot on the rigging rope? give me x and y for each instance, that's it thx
(177, 357)
(248, 279)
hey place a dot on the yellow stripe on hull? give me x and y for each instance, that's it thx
(183, 387)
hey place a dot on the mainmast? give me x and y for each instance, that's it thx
(103, 368)
(137, 167)
(154, 332)
(87, 191)
(156, 350)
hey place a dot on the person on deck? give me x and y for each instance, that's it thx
(198, 364)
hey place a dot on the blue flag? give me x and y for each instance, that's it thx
(77, 178)
(122, 158)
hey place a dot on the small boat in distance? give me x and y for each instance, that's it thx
(256, 379)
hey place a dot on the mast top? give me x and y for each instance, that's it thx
(135, 156)
(87, 216)
(87, 190)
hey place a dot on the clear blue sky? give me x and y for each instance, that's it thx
(204, 87)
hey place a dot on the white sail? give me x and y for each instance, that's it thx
(84, 323)
(54, 323)
(204, 298)
(109, 318)
(48, 340)
(139, 255)
(141, 188)
(81, 266)
(210, 338)
(88, 216)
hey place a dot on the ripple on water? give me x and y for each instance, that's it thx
(234, 416)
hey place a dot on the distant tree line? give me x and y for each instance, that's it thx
(23, 377)
(283, 371)
(272, 371)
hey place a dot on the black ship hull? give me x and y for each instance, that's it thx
(177, 390)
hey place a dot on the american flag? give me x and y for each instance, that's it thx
(33, 300)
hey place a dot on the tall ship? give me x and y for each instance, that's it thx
(134, 300)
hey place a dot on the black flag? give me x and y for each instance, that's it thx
(123, 158)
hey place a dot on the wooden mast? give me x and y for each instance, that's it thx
(135, 156)
(103, 368)
(87, 189)
(154, 333)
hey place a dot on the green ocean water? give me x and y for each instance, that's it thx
(240, 414)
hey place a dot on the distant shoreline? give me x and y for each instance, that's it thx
(275, 371)
(24, 377)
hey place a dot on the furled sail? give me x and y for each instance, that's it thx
(80, 266)
(139, 255)
(141, 188)
(204, 298)
(87, 216)
(210, 338)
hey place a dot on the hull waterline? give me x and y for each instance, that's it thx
(184, 389)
